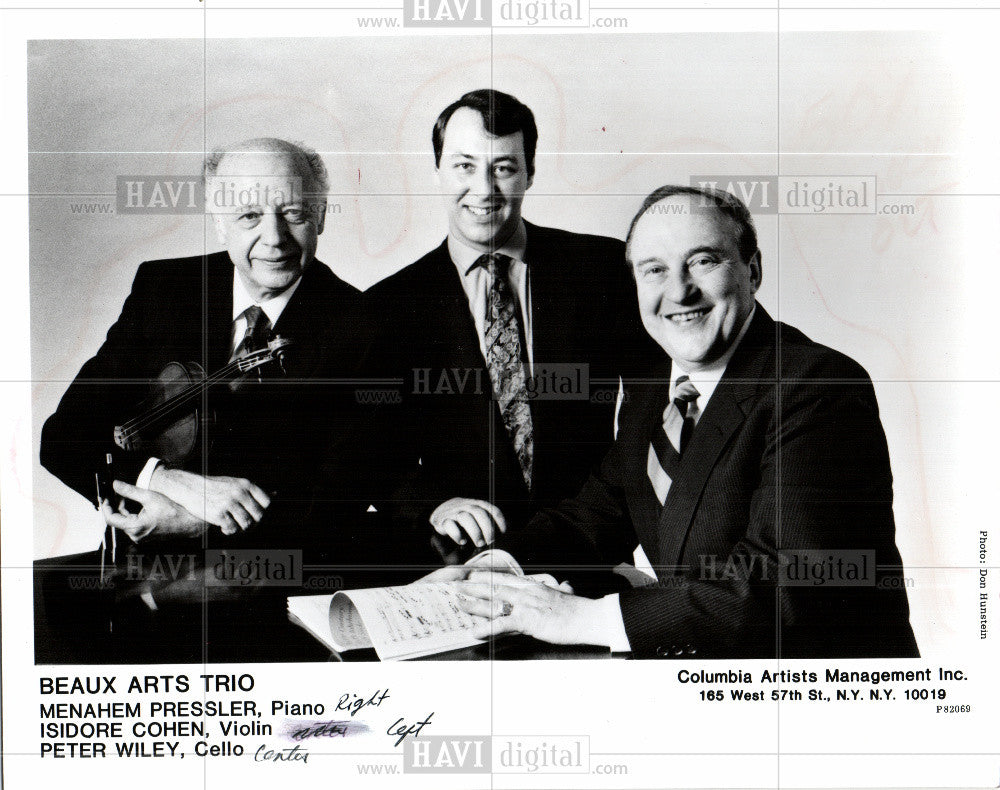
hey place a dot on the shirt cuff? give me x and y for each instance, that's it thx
(146, 475)
(619, 400)
(611, 624)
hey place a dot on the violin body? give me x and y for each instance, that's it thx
(173, 419)
(174, 437)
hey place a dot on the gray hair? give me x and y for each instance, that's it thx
(726, 203)
(308, 163)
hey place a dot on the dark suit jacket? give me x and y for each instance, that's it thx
(278, 432)
(272, 432)
(788, 457)
(447, 438)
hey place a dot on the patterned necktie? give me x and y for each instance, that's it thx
(665, 449)
(255, 337)
(503, 359)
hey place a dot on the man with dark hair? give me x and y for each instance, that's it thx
(246, 482)
(478, 325)
(754, 474)
(501, 115)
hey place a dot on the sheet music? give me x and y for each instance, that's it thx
(332, 620)
(418, 618)
(891, 101)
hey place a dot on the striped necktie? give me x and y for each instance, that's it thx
(668, 441)
(503, 359)
(255, 337)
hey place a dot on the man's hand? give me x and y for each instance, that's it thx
(476, 518)
(504, 604)
(449, 573)
(454, 573)
(159, 516)
(232, 503)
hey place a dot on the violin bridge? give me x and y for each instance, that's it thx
(122, 438)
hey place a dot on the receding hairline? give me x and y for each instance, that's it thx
(227, 155)
(482, 123)
(307, 162)
(498, 111)
(718, 211)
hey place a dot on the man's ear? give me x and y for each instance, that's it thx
(320, 217)
(220, 228)
(756, 270)
(531, 180)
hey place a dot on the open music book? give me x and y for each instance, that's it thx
(410, 621)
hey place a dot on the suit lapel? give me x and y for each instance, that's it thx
(551, 326)
(450, 305)
(440, 312)
(303, 319)
(648, 399)
(745, 375)
(217, 309)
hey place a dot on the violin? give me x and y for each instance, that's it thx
(169, 427)
(173, 416)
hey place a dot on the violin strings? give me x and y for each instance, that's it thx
(164, 409)
(173, 403)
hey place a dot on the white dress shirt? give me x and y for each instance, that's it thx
(475, 283)
(705, 380)
(273, 308)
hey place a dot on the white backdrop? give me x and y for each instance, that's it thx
(617, 117)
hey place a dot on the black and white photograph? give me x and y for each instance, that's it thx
(501, 394)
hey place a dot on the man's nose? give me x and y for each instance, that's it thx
(679, 288)
(484, 181)
(273, 229)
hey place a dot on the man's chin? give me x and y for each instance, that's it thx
(685, 355)
(487, 236)
(276, 284)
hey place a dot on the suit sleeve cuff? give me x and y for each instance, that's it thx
(611, 624)
(146, 475)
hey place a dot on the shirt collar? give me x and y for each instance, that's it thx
(707, 379)
(272, 307)
(464, 257)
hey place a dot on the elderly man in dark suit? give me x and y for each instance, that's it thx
(246, 485)
(478, 328)
(754, 476)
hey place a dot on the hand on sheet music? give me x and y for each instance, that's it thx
(232, 503)
(505, 604)
(464, 519)
(159, 515)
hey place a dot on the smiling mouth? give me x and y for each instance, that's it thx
(482, 211)
(687, 316)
